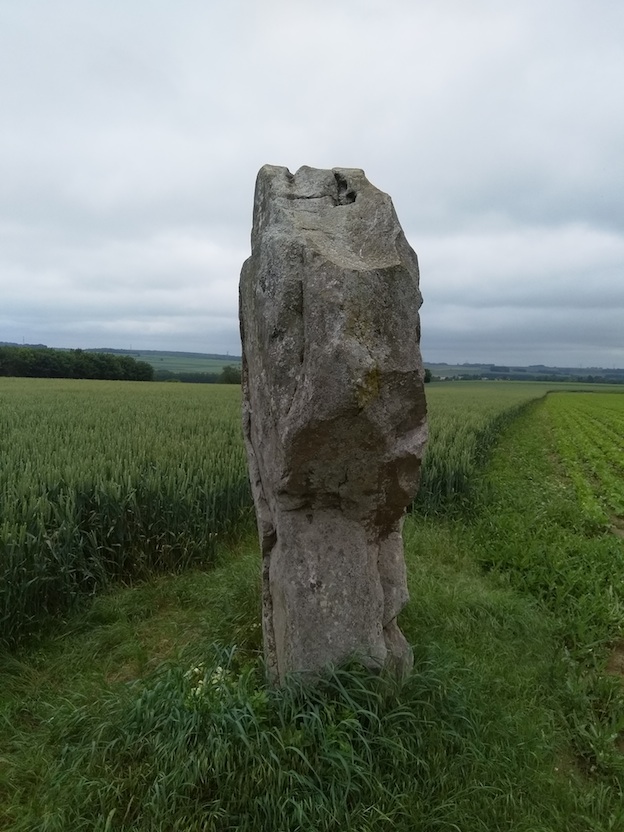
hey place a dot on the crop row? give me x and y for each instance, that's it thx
(590, 440)
(104, 481)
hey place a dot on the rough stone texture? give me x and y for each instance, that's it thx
(334, 415)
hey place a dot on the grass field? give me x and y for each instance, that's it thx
(106, 481)
(590, 441)
(147, 709)
(537, 532)
(464, 421)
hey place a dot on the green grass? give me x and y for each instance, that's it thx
(134, 738)
(110, 481)
(464, 422)
(589, 440)
(509, 721)
(537, 534)
(147, 710)
(465, 419)
(115, 481)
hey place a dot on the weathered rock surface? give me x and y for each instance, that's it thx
(334, 414)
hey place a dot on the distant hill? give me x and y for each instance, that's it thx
(14, 344)
(226, 357)
(167, 361)
(173, 361)
(532, 372)
(179, 362)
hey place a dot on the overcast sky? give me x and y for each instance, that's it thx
(131, 133)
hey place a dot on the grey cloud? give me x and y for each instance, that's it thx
(523, 336)
(132, 134)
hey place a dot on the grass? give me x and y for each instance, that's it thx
(110, 481)
(105, 482)
(148, 710)
(161, 730)
(464, 421)
(509, 722)
(539, 537)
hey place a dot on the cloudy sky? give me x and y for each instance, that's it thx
(131, 132)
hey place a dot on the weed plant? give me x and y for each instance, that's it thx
(212, 748)
(199, 742)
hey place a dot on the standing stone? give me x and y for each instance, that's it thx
(334, 415)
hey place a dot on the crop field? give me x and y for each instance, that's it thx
(147, 708)
(106, 481)
(590, 441)
(464, 420)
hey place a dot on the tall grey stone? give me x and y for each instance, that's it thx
(334, 415)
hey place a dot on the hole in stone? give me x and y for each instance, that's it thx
(345, 194)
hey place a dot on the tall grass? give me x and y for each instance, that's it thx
(104, 481)
(210, 747)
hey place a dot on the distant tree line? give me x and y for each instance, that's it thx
(516, 375)
(44, 362)
(534, 372)
(228, 375)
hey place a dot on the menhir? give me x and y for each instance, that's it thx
(334, 415)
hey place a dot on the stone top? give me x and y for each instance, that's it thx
(338, 212)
